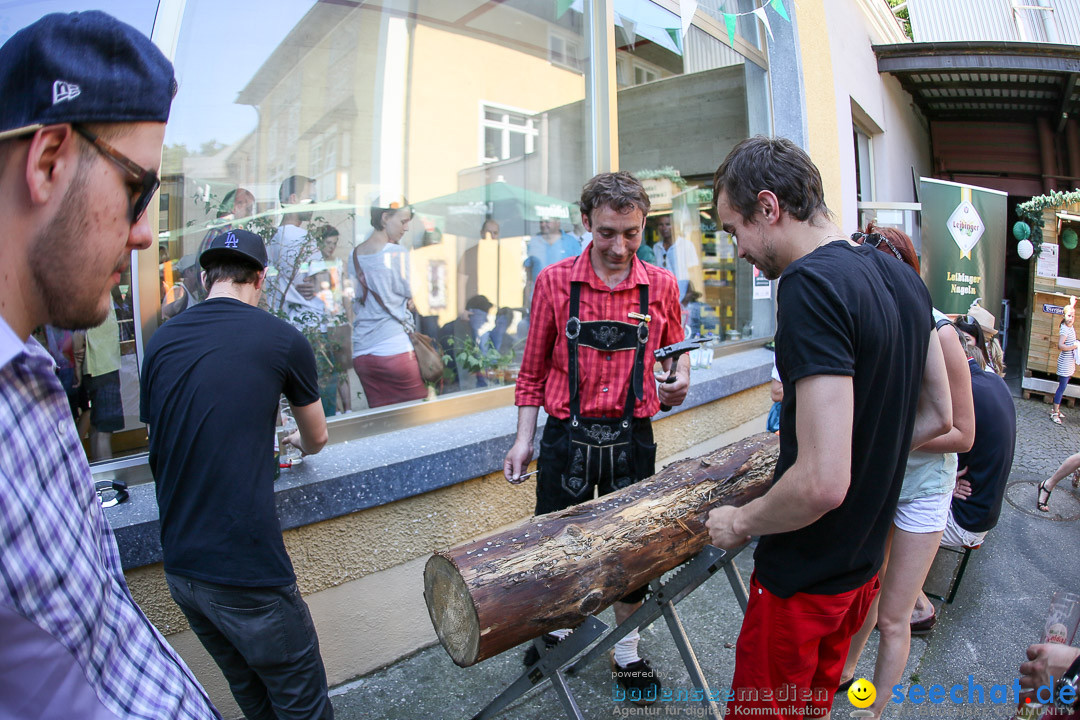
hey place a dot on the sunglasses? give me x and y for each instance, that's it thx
(145, 181)
(874, 240)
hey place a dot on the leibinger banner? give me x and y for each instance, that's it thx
(964, 236)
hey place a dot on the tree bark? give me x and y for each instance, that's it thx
(552, 571)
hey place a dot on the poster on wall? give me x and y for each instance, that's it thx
(963, 244)
(1047, 267)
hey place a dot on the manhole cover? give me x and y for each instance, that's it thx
(1064, 504)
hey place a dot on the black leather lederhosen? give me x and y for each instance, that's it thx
(611, 453)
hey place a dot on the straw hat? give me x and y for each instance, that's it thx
(984, 317)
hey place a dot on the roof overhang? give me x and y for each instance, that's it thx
(987, 80)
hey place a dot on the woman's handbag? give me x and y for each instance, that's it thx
(428, 355)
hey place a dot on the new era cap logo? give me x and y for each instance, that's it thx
(62, 91)
(231, 241)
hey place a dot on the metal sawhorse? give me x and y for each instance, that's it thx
(555, 663)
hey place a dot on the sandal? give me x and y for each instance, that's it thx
(1040, 504)
(1076, 479)
(1057, 417)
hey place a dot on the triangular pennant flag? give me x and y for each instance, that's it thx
(778, 6)
(629, 27)
(561, 6)
(731, 21)
(760, 12)
(673, 33)
(687, 8)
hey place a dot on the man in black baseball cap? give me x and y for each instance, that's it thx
(83, 103)
(211, 383)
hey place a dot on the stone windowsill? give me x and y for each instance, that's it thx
(359, 474)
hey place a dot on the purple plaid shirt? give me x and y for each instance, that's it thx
(74, 643)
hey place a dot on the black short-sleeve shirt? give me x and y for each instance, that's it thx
(211, 383)
(853, 311)
(990, 459)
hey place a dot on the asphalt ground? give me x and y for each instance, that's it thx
(978, 641)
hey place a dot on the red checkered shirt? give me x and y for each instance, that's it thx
(603, 377)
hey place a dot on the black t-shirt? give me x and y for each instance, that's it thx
(211, 382)
(854, 311)
(990, 459)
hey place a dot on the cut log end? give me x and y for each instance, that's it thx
(451, 609)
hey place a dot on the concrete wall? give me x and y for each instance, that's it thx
(362, 573)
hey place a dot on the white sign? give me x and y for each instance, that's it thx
(1047, 267)
(966, 227)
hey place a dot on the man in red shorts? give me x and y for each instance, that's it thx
(855, 345)
(596, 320)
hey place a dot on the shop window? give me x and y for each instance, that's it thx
(690, 103)
(864, 165)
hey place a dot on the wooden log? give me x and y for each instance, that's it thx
(553, 571)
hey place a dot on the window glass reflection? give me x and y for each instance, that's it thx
(411, 167)
(683, 103)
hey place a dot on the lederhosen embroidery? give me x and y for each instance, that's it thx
(602, 448)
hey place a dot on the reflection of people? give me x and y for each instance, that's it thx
(383, 355)
(469, 262)
(923, 508)
(190, 289)
(462, 335)
(333, 348)
(983, 472)
(211, 382)
(74, 643)
(236, 206)
(580, 304)
(854, 345)
(101, 385)
(676, 254)
(291, 250)
(549, 246)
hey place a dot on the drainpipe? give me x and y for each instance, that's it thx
(1049, 21)
(1047, 155)
(1072, 145)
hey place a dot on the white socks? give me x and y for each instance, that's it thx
(626, 649)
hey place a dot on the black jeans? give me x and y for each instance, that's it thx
(264, 641)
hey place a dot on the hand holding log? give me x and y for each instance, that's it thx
(552, 571)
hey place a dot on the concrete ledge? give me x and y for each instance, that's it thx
(381, 469)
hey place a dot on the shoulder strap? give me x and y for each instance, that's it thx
(362, 279)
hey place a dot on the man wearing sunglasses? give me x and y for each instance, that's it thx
(85, 101)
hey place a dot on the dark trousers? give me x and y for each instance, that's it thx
(264, 641)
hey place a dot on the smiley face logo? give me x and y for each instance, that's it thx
(862, 693)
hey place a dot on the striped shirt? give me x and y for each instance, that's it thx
(604, 377)
(74, 644)
(1067, 358)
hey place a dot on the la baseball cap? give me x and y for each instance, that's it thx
(235, 244)
(81, 67)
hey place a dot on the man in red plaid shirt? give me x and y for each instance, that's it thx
(595, 323)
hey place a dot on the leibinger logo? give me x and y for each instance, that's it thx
(62, 91)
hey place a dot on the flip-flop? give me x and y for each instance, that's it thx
(1076, 479)
(1040, 504)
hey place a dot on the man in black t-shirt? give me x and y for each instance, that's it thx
(211, 384)
(855, 345)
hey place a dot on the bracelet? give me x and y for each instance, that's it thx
(1068, 681)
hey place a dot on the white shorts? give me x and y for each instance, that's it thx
(926, 514)
(956, 536)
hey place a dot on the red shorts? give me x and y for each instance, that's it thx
(791, 651)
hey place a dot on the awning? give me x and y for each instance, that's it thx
(1006, 81)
